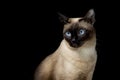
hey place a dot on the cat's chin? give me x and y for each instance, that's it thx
(74, 45)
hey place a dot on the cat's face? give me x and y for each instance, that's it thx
(79, 30)
(77, 34)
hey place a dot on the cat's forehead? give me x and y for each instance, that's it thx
(77, 23)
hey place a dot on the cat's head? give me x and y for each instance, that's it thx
(77, 31)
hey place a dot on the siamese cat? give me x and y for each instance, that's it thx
(76, 57)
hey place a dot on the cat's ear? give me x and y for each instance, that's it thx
(90, 16)
(63, 18)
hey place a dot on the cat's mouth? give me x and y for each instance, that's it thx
(76, 44)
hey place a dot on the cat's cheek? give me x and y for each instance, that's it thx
(67, 39)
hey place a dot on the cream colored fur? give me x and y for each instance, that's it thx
(68, 63)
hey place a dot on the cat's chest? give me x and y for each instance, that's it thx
(75, 71)
(77, 67)
(72, 71)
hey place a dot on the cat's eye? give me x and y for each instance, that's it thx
(82, 32)
(68, 34)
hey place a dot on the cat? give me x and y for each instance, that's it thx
(76, 57)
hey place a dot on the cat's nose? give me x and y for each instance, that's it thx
(73, 40)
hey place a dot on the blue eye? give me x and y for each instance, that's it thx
(82, 31)
(68, 34)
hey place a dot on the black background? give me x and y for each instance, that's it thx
(33, 31)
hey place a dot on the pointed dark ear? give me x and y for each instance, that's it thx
(63, 18)
(90, 16)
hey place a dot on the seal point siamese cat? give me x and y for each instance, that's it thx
(76, 57)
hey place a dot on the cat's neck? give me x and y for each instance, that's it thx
(82, 53)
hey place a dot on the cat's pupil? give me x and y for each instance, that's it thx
(82, 31)
(68, 34)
